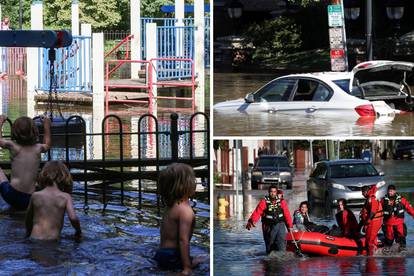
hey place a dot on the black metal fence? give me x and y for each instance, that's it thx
(108, 171)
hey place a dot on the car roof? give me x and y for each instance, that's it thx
(344, 161)
(271, 156)
(325, 76)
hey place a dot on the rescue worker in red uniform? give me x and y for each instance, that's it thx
(370, 218)
(274, 212)
(394, 207)
(346, 220)
(348, 223)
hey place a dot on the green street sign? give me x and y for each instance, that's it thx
(334, 8)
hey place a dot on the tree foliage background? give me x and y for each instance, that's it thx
(102, 14)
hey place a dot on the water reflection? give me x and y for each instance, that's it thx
(123, 240)
(13, 103)
(234, 86)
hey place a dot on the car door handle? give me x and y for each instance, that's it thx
(311, 109)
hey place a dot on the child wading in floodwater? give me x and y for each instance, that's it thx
(25, 159)
(176, 186)
(45, 215)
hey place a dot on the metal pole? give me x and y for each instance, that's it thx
(369, 29)
(20, 14)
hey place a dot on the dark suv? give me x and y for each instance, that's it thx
(271, 169)
(404, 150)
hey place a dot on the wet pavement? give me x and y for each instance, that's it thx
(230, 86)
(230, 235)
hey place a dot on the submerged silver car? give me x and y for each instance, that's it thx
(331, 180)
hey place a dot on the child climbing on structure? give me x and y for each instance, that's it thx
(25, 159)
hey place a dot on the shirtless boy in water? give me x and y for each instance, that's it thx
(45, 215)
(176, 186)
(25, 159)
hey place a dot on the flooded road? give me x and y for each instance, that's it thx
(241, 252)
(230, 86)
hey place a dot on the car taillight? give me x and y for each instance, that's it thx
(365, 110)
(364, 65)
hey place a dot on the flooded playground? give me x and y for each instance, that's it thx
(123, 237)
(230, 86)
(230, 235)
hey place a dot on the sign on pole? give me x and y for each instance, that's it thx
(337, 38)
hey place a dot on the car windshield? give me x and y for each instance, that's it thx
(343, 84)
(272, 162)
(353, 170)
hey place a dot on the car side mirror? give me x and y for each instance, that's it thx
(381, 173)
(249, 98)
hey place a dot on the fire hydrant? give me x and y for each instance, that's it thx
(222, 205)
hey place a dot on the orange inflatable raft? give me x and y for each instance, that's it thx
(314, 243)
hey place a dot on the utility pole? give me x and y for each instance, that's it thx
(368, 31)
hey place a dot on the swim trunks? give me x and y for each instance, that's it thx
(16, 199)
(168, 258)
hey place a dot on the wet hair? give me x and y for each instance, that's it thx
(24, 131)
(365, 189)
(56, 172)
(304, 203)
(272, 187)
(176, 182)
(343, 200)
(391, 187)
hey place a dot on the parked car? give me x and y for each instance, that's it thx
(271, 169)
(404, 149)
(344, 178)
(363, 92)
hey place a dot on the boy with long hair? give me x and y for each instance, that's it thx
(45, 215)
(25, 159)
(176, 185)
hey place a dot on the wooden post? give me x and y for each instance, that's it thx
(199, 54)
(33, 64)
(75, 17)
(98, 96)
(151, 46)
(86, 30)
(135, 23)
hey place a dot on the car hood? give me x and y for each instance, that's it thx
(358, 181)
(229, 105)
(380, 70)
(274, 169)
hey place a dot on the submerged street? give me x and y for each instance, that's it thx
(230, 86)
(230, 234)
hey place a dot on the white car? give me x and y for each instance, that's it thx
(362, 92)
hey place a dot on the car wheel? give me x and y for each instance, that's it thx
(289, 186)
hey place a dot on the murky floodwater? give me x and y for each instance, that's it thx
(241, 252)
(230, 86)
(121, 241)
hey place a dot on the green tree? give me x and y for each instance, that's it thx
(272, 38)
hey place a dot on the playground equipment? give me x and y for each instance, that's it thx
(51, 40)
